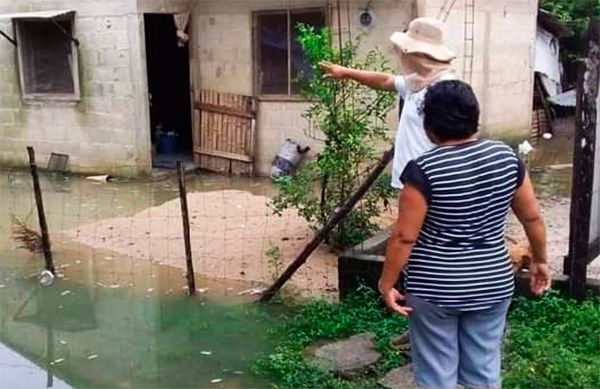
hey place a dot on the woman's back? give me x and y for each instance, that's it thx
(460, 258)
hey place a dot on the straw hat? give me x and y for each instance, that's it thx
(424, 36)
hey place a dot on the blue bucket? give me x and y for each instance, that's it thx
(167, 144)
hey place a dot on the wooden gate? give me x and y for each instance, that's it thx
(225, 130)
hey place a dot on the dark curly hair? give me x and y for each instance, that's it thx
(451, 110)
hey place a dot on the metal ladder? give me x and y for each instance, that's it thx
(469, 41)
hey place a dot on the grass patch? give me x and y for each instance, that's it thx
(321, 320)
(553, 342)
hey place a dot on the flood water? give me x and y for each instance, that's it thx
(111, 321)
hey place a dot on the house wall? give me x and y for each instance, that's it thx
(100, 133)
(505, 33)
(502, 69)
(223, 38)
(108, 131)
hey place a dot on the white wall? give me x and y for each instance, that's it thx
(504, 45)
(100, 133)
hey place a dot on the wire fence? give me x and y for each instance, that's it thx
(129, 227)
(125, 233)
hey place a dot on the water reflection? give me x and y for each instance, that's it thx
(107, 323)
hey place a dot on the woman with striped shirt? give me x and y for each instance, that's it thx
(449, 241)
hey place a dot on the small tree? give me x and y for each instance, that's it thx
(352, 118)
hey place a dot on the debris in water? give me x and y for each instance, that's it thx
(26, 237)
(216, 381)
(252, 291)
(560, 166)
(66, 292)
(238, 372)
(46, 278)
(57, 361)
(93, 356)
(547, 135)
(202, 290)
(114, 286)
(60, 307)
(150, 290)
(63, 342)
(525, 148)
(103, 178)
(2, 286)
(101, 284)
(206, 352)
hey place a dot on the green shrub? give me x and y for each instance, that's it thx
(352, 119)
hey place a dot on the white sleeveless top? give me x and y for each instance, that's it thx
(411, 140)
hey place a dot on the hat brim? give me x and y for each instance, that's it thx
(409, 45)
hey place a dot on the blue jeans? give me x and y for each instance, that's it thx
(451, 347)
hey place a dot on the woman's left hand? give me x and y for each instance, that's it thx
(391, 297)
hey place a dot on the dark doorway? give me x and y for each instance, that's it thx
(168, 67)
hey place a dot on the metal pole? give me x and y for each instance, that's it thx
(186, 230)
(40, 208)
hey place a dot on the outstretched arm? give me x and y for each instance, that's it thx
(375, 80)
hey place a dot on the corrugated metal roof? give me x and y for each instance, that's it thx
(36, 15)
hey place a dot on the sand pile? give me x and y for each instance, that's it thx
(231, 233)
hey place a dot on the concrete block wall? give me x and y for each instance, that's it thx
(101, 133)
(504, 45)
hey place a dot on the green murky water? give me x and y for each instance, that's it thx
(112, 321)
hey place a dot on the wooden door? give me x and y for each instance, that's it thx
(224, 132)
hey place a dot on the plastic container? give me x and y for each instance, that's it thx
(287, 159)
(167, 143)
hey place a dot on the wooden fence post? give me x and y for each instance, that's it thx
(583, 165)
(186, 230)
(333, 221)
(40, 209)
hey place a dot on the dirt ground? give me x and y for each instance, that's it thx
(231, 234)
(235, 235)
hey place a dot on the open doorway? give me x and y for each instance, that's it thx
(168, 67)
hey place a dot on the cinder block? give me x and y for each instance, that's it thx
(6, 116)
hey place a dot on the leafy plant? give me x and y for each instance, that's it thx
(352, 118)
(275, 259)
(575, 15)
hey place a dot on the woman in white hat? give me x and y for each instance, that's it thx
(424, 59)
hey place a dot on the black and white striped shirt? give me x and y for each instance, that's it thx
(460, 259)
